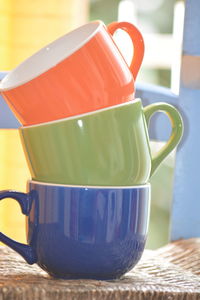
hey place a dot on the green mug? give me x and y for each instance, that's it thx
(107, 147)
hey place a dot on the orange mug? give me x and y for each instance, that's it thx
(80, 72)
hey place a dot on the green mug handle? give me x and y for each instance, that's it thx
(176, 134)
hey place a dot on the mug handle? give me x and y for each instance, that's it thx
(26, 251)
(137, 40)
(176, 134)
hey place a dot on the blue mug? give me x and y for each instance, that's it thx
(82, 232)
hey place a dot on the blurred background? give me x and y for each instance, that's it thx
(28, 25)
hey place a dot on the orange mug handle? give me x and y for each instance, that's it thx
(137, 40)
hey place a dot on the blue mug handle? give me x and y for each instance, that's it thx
(26, 251)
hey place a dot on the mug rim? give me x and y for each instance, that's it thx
(131, 102)
(6, 86)
(142, 186)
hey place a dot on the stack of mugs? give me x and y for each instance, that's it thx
(86, 143)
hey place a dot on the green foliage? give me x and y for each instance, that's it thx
(161, 197)
(105, 10)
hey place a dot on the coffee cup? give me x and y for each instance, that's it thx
(82, 232)
(80, 72)
(105, 147)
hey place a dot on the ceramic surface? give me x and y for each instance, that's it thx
(106, 147)
(83, 232)
(80, 72)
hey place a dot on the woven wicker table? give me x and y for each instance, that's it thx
(171, 272)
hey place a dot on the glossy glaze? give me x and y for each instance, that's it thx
(93, 76)
(83, 232)
(106, 147)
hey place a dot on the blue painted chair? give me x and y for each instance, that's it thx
(7, 119)
(157, 276)
(185, 213)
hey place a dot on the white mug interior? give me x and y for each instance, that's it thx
(50, 56)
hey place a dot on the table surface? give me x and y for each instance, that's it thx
(170, 272)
